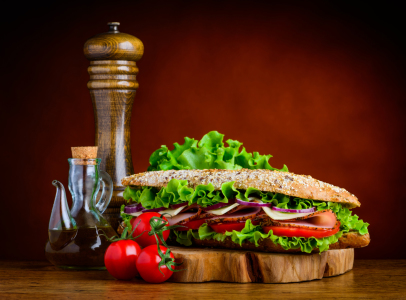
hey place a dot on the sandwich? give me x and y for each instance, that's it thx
(225, 197)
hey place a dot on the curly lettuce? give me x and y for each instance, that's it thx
(177, 191)
(253, 234)
(208, 153)
(126, 218)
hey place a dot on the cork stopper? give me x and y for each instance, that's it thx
(84, 152)
(84, 155)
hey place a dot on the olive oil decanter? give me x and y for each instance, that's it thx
(75, 235)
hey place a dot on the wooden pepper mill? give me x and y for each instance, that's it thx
(112, 86)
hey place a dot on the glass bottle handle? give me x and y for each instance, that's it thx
(107, 191)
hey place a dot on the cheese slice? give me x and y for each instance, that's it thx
(172, 212)
(136, 214)
(222, 210)
(277, 215)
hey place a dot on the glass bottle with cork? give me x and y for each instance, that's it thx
(76, 238)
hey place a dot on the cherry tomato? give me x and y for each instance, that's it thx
(147, 265)
(230, 226)
(300, 232)
(120, 259)
(195, 224)
(143, 224)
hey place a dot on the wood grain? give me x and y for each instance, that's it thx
(338, 262)
(112, 87)
(225, 265)
(113, 45)
(370, 279)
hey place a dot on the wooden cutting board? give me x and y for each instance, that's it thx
(203, 265)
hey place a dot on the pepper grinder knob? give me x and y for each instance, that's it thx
(113, 26)
(113, 45)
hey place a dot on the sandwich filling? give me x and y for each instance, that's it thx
(203, 219)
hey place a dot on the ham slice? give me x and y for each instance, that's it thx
(241, 215)
(187, 214)
(205, 215)
(323, 219)
(208, 214)
(190, 207)
(183, 217)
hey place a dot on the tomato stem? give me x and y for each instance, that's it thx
(124, 235)
(166, 259)
(158, 226)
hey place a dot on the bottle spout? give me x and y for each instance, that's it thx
(61, 217)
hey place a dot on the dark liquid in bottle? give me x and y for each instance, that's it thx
(82, 248)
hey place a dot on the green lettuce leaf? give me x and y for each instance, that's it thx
(208, 153)
(126, 218)
(175, 192)
(253, 234)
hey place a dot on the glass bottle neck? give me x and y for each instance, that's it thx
(84, 183)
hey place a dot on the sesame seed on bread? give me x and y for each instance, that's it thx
(302, 186)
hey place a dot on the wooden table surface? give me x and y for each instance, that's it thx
(383, 279)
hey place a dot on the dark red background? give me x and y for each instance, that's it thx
(320, 86)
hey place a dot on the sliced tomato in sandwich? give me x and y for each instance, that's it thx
(301, 231)
(195, 224)
(230, 226)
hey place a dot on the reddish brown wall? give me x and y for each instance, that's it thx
(320, 87)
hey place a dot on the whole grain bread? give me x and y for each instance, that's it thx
(302, 186)
(348, 240)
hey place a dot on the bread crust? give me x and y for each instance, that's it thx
(348, 240)
(302, 186)
(352, 240)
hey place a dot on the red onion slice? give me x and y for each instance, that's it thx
(219, 205)
(164, 208)
(154, 209)
(133, 208)
(254, 204)
(307, 210)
